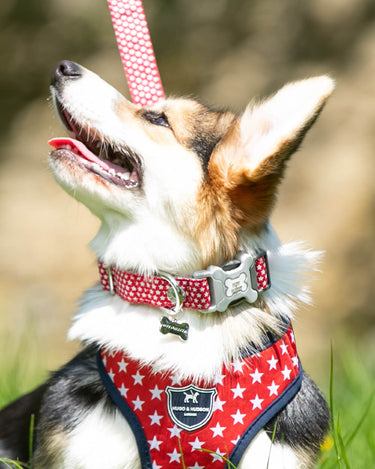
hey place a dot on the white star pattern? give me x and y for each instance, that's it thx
(122, 365)
(218, 430)
(175, 380)
(236, 440)
(273, 362)
(237, 366)
(155, 418)
(257, 403)
(217, 455)
(249, 388)
(156, 392)
(218, 404)
(219, 379)
(196, 444)
(138, 378)
(273, 389)
(286, 373)
(238, 417)
(175, 431)
(175, 456)
(155, 444)
(123, 390)
(238, 391)
(284, 348)
(256, 376)
(292, 337)
(138, 403)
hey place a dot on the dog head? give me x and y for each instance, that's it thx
(178, 184)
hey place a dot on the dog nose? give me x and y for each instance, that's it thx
(66, 70)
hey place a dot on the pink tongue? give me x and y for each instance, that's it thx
(84, 152)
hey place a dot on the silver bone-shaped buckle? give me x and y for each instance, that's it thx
(231, 283)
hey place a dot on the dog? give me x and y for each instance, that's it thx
(196, 292)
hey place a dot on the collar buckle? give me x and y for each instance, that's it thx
(233, 282)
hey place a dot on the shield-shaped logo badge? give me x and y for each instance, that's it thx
(190, 407)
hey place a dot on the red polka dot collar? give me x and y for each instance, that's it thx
(210, 290)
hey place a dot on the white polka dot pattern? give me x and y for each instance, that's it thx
(136, 51)
(153, 291)
(262, 273)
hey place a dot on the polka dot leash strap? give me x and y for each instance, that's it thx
(136, 51)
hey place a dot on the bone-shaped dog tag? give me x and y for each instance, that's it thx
(168, 326)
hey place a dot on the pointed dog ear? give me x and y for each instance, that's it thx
(250, 160)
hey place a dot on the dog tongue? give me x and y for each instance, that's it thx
(83, 151)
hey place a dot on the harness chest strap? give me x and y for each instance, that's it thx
(208, 291)
(172, 420)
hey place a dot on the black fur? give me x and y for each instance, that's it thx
(304, 422)
(209, 128)
(203, 145)
(72, 391)
(15, 422)
(58, 406)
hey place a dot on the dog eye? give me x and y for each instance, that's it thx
(157, 118)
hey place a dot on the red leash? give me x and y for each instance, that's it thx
(136, 51)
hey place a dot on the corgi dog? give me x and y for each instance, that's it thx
(188, 355)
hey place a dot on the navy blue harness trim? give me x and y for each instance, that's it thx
(130, 417)
(270, 412)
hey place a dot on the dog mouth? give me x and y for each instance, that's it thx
(119, 166)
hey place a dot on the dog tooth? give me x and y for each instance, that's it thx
(112, 172)
(123, 176)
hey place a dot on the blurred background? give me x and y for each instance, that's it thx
(225, 52)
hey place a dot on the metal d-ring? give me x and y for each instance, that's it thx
(110, 281)
(175, 294)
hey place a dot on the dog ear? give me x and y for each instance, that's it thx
(250, 160)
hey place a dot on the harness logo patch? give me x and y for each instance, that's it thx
(190, 407)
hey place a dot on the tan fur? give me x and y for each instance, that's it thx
(215, 229)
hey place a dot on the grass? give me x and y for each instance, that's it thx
(19, 366)
(349, 387)
(19, 373)
(351, 391)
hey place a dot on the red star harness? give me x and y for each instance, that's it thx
(183, 424)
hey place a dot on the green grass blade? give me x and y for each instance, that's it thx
(12, 464)
(342, 446)
(181, 453)
(272, 440)
(361, 420)
(31, 436)
(333, 426)
(230, 464)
